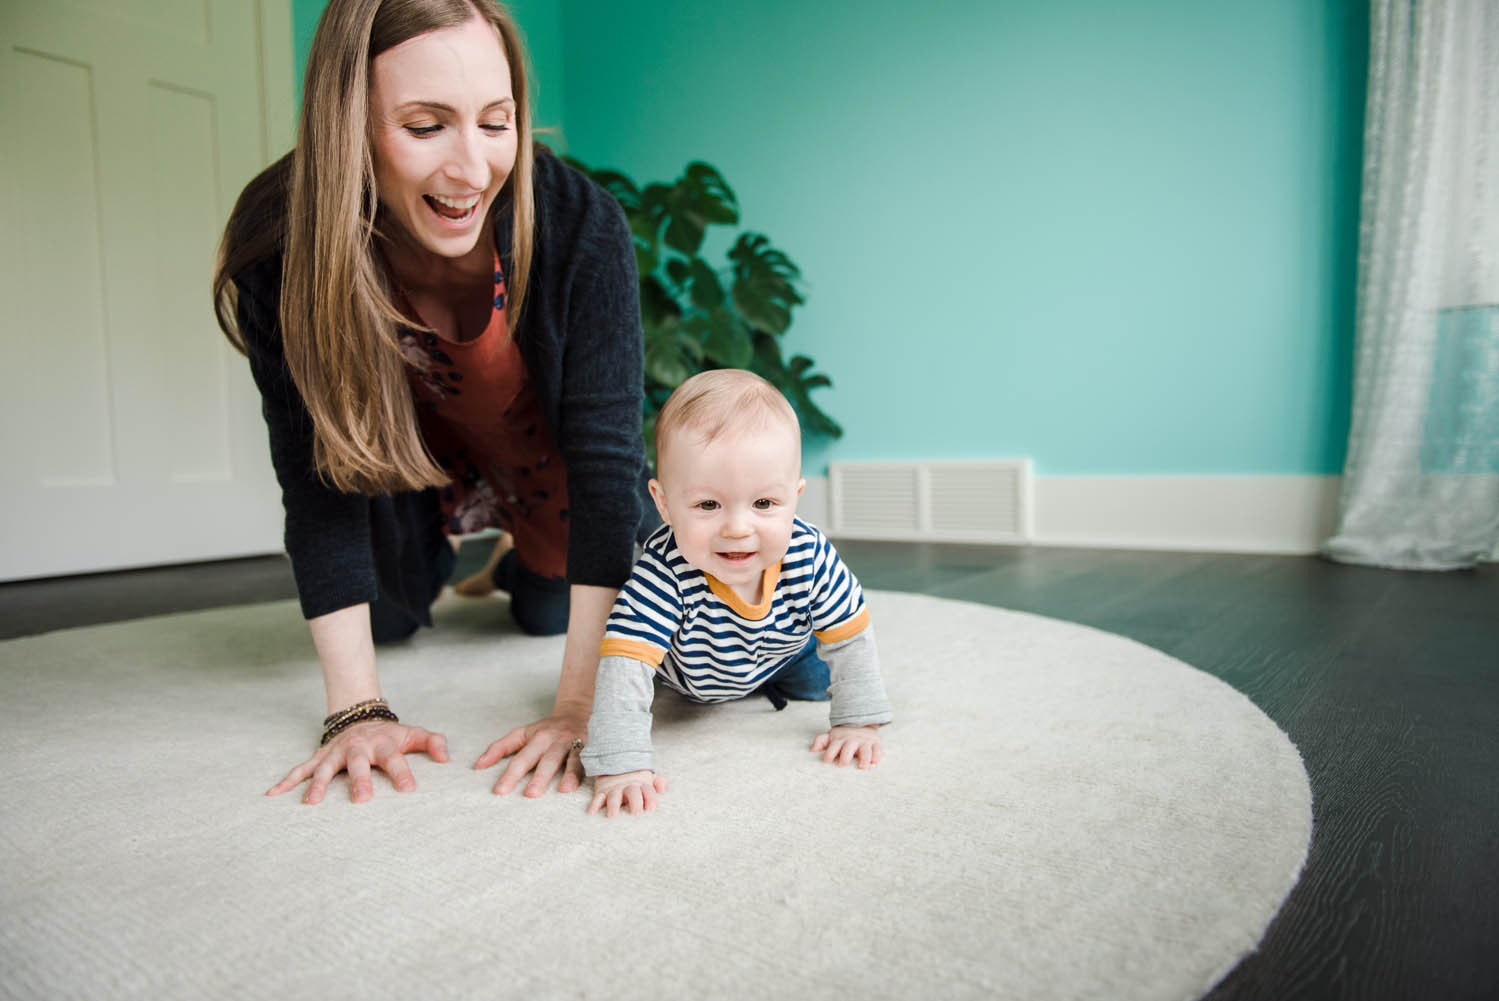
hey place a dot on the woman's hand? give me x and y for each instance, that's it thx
(542, 749)
(377, 743)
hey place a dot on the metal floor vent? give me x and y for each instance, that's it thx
(947, 501)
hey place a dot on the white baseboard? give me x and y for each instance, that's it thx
(1226, 514)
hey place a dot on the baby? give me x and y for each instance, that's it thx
(733, 595)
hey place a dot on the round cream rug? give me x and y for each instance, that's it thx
(1062, 813)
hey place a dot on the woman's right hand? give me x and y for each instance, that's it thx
(374, 743)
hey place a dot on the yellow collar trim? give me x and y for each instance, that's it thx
(744, 609)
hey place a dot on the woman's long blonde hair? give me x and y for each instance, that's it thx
(319, 207)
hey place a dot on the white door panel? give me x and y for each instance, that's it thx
(131, 430)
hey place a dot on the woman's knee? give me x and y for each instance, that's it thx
(538, 604)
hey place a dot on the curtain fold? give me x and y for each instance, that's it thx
(1421, 480)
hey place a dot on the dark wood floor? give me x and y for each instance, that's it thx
(1388, 683)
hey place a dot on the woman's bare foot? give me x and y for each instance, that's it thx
(481, 582)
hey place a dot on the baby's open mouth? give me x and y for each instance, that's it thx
(456, 209)
(736, 557)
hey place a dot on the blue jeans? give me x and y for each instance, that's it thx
(804, 679)
(538, 604)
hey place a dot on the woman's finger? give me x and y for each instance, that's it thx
(294, 778)
(550, 762)
(361, 788)
(502, 748)
(521, 763)
(395, 766)
(434, 744)
(572, 772)
(321, 776)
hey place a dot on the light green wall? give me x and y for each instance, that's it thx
(540, 21)
(1119, 238)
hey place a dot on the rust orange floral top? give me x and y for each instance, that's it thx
(482, 423)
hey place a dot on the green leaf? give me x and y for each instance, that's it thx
(664, 362)
(727, 340)
(796, 382)
(677, 271)
(700, 198)
(684, 235)
(712, 199)
(655, 202)
(707, 293)
(690, 346)
(656, 303)
(621, 187)
(764, 291)
(645, 259)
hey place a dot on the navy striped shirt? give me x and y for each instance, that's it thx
(711, 645)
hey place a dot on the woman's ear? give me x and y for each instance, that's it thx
(658, 494)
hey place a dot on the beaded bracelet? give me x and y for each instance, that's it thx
(333, 717)
(340, 721)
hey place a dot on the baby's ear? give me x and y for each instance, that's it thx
(800, 486)
(658, 494)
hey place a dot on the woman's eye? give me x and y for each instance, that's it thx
(423, 130)
(496, 129)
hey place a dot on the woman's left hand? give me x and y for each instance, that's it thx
(541, 749)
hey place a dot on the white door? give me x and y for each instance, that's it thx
(131, 431)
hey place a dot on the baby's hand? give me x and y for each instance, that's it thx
(636, 791)
(844, 744)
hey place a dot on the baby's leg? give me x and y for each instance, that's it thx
(804, 679)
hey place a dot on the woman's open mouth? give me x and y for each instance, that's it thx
(453, 210)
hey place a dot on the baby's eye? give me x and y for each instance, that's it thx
(764, 504)
(707, 505)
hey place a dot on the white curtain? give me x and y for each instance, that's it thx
(1421, 483)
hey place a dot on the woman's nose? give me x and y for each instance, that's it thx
(466, 161)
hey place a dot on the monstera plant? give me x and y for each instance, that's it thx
(699, 317)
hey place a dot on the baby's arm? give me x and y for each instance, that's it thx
(859, 704)
(618, 755)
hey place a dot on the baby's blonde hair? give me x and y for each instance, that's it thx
(711, 403)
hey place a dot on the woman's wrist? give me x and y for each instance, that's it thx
(346, 651)
(572, 707)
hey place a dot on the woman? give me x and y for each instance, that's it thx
(444, 327)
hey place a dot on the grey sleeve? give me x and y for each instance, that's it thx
(619, 732)
(857, 691)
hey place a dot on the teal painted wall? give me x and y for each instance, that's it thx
(1119, 238)
(540, 21)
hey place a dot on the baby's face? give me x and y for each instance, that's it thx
(730, 501)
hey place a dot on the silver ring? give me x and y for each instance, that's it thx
(577, 743)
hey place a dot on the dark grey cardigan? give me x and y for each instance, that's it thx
(581, 340)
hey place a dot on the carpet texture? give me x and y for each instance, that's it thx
(1062, 813)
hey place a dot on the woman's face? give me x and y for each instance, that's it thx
(442, 134)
